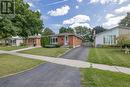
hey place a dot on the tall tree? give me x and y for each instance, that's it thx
(126, 21)
(7, 29)
(66, 30)
(47, 31)
(99, 29)
(28, 21)
(84, 32)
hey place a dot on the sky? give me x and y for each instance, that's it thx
(88, 13)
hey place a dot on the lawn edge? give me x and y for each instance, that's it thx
(64, 52)
(5, 76)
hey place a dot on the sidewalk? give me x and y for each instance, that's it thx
(72, 63)
(29, 48)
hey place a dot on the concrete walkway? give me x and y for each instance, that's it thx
(73, 63)
(29, 48)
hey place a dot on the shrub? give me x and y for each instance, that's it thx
(45, 41)
(22, 44)
(52, 46)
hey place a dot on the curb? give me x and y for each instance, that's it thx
(9, 75)
(64, 52)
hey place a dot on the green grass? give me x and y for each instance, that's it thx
(109, 56)
(99, 78)
(9, 48)
(51, 52)
(12, 64)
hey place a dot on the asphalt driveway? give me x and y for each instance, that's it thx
(79, 53)
(49, 74)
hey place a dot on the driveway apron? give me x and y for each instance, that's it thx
(49, 74)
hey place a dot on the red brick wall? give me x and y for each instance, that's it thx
(32, 41)
(73, 41)
(61, 40)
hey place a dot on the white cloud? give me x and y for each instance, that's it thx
(112, 21)
(109, 16)
(80, 24)
(30, 4)
(43, 17)
(77, 19)
(79, 0)
(124, 9)
(108, 1)
(77, 7)
(60, 11)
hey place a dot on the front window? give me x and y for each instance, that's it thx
(109, 40)
(54, 40)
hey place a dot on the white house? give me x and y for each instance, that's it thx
(109, 37)
(15, 41)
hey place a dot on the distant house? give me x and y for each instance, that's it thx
(66, 39)
(32, 41)
(13, 41)
(109, 37)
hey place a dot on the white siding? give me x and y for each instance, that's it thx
(18, 42)
(99, 38)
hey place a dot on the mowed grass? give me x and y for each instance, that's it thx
(10, 64)
(99, 78)
(109, 56)
(9, 48)
(51, 52)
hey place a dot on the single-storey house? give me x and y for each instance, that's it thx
(109, 37)
(66, 39)
(13, 41)
(32, 41)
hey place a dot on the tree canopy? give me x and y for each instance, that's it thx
(47, 31)
(126, 21)
(99, 29)
(66, 30)
(84, 32)
(25, 23)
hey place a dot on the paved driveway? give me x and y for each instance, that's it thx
(49, 74)
(79, 53)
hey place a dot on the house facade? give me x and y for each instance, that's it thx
(66, 39)
(32, 41)
(13, 41)
(109, 37)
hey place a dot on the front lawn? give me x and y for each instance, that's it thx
(10, 64)
(51, 52)
(99, 78)
(9, 48)
(110, 56)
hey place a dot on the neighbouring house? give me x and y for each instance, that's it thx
(13, 41)
(109, 37)
(32, 41)
(66, 39)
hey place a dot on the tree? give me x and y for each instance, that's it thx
(123, 40)
(28, 21)
(84, 32)
(47, 31)
(7, 29)
(98, 29)
(126, 21)
(66, 30)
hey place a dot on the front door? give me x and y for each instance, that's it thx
(66, 40)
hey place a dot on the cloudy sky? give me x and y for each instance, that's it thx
(90, 13)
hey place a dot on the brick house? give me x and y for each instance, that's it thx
(33, 41)
(66, 39)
